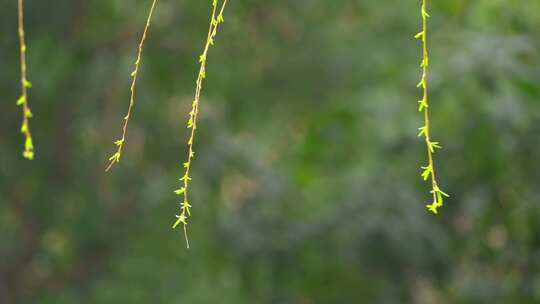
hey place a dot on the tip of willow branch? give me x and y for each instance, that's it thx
(185, 235)
(110, 166)
(115, 158)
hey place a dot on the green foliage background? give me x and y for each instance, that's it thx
(305, 185)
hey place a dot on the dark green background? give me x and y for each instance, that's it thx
(306, 185)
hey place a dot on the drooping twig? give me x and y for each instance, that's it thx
(217, 18)
(429, 170)
(115, 158)
(28, 152)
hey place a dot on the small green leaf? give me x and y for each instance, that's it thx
(24, 127)
(27, 84)
(185, 177)
(28, 145)
(180, 191)
(439, 199)
(433, 208)
(115, 157)
(424, 13)
(181, 219)
(434, 145)
(423, 131)
(422, 82)
(443, 193)
(28, 155)
(21, 100)
(427, 171)
(186, 207)
(422, 104)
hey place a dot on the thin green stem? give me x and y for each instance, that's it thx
(185, 213)
(115, 158)
(429, 170)
(28, 152)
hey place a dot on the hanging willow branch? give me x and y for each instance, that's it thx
(115, 158)
(182, 217)
(429, 170)
(28, 152)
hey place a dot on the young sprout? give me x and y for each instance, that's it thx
(115, 158)
(428, 172)
(185, 212)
